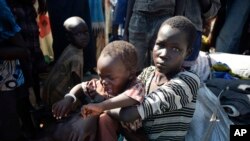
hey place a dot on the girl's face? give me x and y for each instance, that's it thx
(113, 74)
(170, 50)
(80, 36)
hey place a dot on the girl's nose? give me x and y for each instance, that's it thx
(163, 52)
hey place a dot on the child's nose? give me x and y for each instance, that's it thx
(104, 82)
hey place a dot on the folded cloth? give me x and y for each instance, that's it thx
(236, 93)
(231, 110)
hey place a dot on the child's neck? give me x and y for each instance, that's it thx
(161, 78)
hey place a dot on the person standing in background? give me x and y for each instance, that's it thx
(147, 17)
(14, 98)
(25, 14)
(237, 13)
(59, 11)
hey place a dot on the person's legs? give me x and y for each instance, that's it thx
(138, 37)
(9, 121)
(119, 17)
(107, 128)
(229, 36)
(23, 109)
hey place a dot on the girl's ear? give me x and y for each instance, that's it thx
(189, 52)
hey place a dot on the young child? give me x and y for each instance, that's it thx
(171, 91)
(68, 70)
(116, 67)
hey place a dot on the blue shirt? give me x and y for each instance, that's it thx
(8, 25)
(11, 75)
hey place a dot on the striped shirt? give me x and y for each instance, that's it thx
(167, 111)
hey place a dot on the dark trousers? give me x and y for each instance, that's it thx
(14, 109)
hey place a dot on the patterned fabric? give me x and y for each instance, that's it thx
(8, 26)
(59, 80)
(96, 15)
(167, 111)
(11, 75)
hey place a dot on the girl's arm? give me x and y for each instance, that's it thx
(176, 94)
(119, 101)
(131, 96)
(126, 114)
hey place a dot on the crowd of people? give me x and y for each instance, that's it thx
(141, 86)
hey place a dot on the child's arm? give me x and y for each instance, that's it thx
(62, 108)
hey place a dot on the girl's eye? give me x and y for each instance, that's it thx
(175, 49)
(159, 46)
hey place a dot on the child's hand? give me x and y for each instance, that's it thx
(91, 109)
(62, 108)
(91, 88)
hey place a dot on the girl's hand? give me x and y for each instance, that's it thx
(62, 108)
(132, 126)
(91, 109)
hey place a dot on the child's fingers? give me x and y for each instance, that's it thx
(125, 125)
(84, 111)
(55, 111)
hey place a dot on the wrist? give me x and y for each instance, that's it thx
(102, 107)
(72, 96)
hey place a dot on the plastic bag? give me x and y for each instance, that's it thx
(210, 122)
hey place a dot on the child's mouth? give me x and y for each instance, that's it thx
(108, 90)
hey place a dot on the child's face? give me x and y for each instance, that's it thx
(80, 36)
(113, 74)
(170, 49)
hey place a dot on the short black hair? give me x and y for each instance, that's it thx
(73, 22)
(184, 25)
(124, 51)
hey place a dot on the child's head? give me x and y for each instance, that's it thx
(116, 66)
(173, 44)
(77, 31)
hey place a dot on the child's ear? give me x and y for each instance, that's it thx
(189, 52)
(132, 75)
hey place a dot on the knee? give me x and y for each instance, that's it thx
(105, 119)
